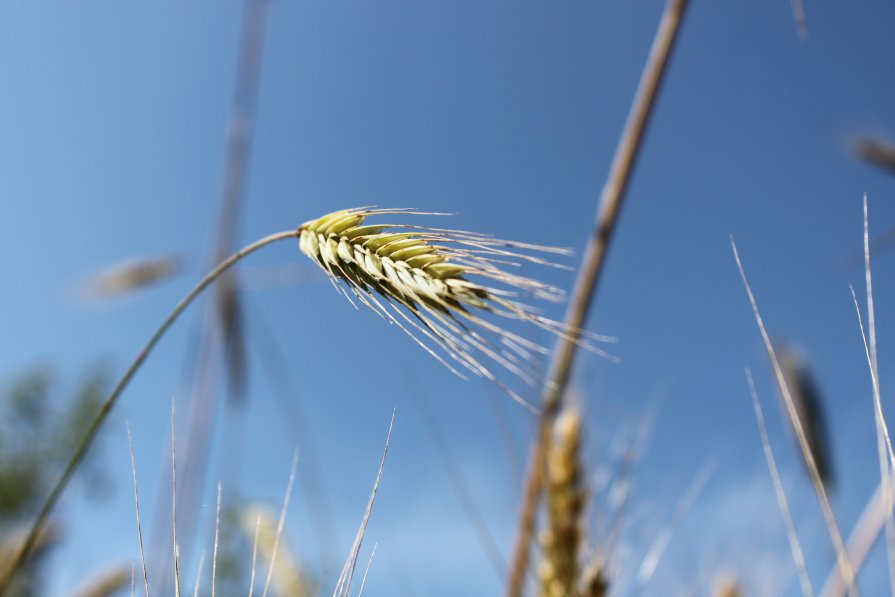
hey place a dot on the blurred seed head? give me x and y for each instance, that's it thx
(875, 150)
(130, 276)
(809, 408)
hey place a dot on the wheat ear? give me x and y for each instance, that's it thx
(561, 539)
(435, 284)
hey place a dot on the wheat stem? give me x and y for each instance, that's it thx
(611, 200)
(105, 409)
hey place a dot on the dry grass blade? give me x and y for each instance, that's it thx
(884, 442)
(363, 581)
(217, 540)
(660, 544)
(174, 502)
(343, 586)
(830, 519)
(618, 485)
(254, 555)
(199, 575)
(795, 547)
(288, 576)
(882, 428)
(130, 442)
(870, 524)
(106, 583)
(566, 496)
(809, 409)
(435, 284)
(281, 523)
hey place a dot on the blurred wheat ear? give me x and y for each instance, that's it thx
(809, 407)
(875, 150)
(561, 539)
(435, 284)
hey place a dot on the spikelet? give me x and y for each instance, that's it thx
(565, 495)
(434, 284)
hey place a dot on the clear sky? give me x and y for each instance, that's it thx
(112, 126)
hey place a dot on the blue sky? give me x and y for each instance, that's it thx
(112, 125)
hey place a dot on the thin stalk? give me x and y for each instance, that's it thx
(882, 429)
(174, 502)
(217, 540)
(863, 536)
(798, 556)
(105, 409)
(130, 442)
(223, 318)
(611, 200)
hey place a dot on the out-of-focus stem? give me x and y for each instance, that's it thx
(611, 200)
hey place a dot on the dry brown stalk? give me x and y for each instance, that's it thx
(588, 276)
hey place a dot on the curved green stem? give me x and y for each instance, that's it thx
(103, 413)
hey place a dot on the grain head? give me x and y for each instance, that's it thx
(440, 286)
